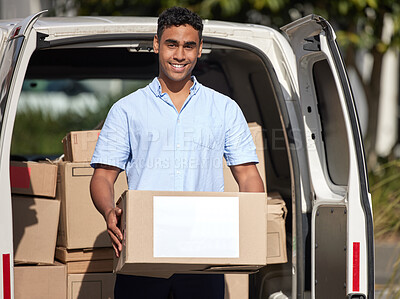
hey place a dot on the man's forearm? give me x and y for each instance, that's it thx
(248, 178)
(102, 192)
(252, 183)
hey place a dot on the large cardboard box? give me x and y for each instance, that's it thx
(187, 232)
(33, 178)
(40, 282)
(35, 222)
(276, 218)
(91, 285)
(81, 225)
(79, 145)
(230, 184)
(237, 285)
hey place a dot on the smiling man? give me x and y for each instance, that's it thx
(178, 48)
(172, 135)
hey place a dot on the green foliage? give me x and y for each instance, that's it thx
(385, 191)
(392, 289)
(39, 133)
(273, 5)
(40, 124)
(119, 7)
(362, 18)
(227, 7)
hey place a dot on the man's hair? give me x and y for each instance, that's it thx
(177, 16)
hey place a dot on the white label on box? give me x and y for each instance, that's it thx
(194, 226)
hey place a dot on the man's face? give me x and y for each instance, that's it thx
(178, 49)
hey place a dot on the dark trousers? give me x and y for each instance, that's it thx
(180, 286)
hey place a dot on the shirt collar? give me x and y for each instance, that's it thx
(155, 87)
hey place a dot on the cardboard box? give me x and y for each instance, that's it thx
(35, 222)
(86, 260)
(90, 266)
(79, 145)
(33, 178)
(277, 212)
(87, 254)
(93, 286)
(186, 232)
(230, 184)
(236, 286)
(44, 282)
(81, 225)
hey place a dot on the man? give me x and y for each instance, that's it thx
(172, 135)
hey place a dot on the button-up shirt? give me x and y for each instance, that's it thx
(163, 149)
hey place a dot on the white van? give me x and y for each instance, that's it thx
(292, 82)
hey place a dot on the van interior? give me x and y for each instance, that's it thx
(71, 85)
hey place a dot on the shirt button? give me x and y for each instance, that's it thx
(178, 172)
(179, 120)
(178, 145)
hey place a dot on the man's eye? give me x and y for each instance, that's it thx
(171, 45)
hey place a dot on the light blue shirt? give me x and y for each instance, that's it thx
(163, 149)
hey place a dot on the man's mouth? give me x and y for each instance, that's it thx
(178, 65)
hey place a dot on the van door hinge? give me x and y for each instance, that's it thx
(41, 42)
(313, 43)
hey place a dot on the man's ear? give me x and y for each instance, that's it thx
(156, 44)
(200, 48)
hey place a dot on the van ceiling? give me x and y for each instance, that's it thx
(85, 63)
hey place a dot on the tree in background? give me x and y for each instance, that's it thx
(359, 25)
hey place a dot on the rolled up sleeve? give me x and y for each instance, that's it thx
(239, 145)
(113, 146)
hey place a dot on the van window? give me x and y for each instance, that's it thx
(49, 108)
(332, 123)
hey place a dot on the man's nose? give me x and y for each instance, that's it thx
(179, 53)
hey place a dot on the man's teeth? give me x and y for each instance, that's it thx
(178, 65)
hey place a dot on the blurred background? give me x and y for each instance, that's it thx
(368, 33)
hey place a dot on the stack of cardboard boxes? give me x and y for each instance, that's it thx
(83, 244)
(246, 238)
(35, 221)
(61, 247)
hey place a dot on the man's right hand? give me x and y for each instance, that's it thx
(113, 218)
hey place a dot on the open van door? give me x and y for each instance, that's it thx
(341, 217)
(16, 49)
